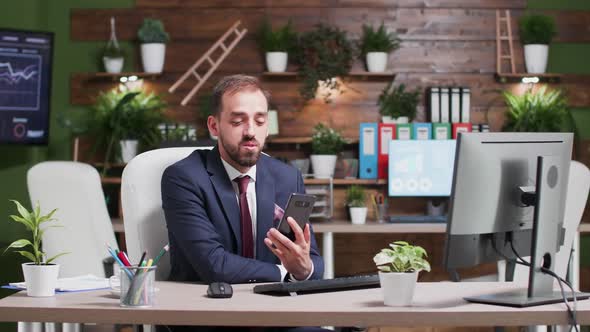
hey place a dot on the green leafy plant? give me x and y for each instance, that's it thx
(536, 29)
(283, 39)
(323, 54)
(355, 196)
(33, 221)
(402, 257)
(540, 111)
(326, 140)
(152, 31)
(396, 101)
(122, 114)
(377, 40)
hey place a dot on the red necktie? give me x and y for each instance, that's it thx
(245, 218)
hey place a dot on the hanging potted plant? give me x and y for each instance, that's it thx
(113, 56)
(396, 105)
(40, 274)
(399, 266)
(375, 46)
(277, 45)
(326, 143)
(536, 32)
(540, 111)
(323, 54)
(357, 206)
(153, 41)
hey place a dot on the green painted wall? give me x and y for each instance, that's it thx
(47, 15)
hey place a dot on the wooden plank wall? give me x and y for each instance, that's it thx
(444, 43)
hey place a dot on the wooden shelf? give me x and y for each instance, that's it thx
(378, 182)
(117, 76)
(364, 74)
(301, 140)
(518, 77)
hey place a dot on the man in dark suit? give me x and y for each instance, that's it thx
(220, 203)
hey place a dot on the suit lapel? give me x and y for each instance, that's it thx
(265, 199)
(225, 192)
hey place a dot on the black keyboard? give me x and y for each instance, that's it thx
(418, 219)
(319, 286)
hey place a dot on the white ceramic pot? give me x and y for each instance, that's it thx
(323, 165)
(401, 119)
(128, 149)
(386, 119)
(40, 279)
(113, 65)
(376, 62)
(276, 62)
(398, 288)
(152, 57)
(358, 215)
(535, 58)
(273, 122)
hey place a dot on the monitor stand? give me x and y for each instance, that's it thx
(547, 230)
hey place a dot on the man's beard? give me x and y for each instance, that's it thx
(245, 159)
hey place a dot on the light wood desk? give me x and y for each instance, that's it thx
(435, 304)
(328, 228)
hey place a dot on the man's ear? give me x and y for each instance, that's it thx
(213, 125)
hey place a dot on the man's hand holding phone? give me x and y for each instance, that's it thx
(294, 255)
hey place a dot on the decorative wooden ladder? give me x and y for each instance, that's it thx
(201, 79)
(504, 34)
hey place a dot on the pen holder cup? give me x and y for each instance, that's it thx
(381, 213)
(137, 286)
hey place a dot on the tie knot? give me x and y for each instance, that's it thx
(242, 183)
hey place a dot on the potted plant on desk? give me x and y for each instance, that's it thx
(326, 143)
(357, 206)
(398, 271)
(40, 274)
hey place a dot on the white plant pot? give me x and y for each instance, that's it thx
(152, 57)
(386, 119)
(276, 62)
(377, 62)
(40, 279)
(113, 65)
(401, 119)
(358, 215)
(128, 149)
(273, 122)
(535, 58)
(323, 165)
(398, 288)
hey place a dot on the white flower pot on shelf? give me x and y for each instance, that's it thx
(398, 288)
(535, 58)
(401, 119)
(40, 279)
(276, 62)
(128, 149)
(152, 57)
(376, 62)
(323, 165)
(358, 215)
(386, 119)
(113, 65)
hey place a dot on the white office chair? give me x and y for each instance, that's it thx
(145, 226)
(76, 191)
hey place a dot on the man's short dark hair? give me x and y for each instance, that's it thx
(232, 84)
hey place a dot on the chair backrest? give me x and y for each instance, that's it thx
(577, 196)
(145, 225)
(75, 190)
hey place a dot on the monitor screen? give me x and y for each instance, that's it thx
(25, 86)
(421, 168)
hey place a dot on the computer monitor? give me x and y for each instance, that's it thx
(509, 190)
(25, 86)
(421, 168)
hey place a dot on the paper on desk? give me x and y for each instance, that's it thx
(73, 284)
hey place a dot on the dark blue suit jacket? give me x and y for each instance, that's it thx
(202, 215)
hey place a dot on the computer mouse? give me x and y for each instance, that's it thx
(219, 290)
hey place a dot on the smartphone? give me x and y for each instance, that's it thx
(299, 207)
